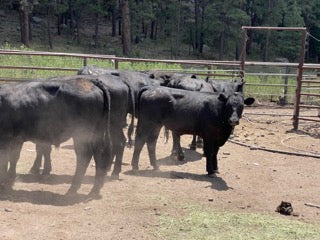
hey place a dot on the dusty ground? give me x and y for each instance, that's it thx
(249, 181)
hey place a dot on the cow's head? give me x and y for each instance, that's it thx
(234, 104)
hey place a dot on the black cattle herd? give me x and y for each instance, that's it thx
(92, 108)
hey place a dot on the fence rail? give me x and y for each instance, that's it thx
(231, 69)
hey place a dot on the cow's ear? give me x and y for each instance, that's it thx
(222, 97)
(249, 101)
(193, 76)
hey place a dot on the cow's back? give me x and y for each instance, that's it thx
(50, 111)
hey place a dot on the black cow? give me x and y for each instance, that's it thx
(211, 116)
(113, 79)
(122, 102)
(52, 112)
(191, 83)
(136, 80)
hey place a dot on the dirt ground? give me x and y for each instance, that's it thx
(250, 180)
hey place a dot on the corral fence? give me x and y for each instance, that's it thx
(301, 68)
(291, 85)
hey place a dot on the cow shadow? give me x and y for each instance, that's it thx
(42, 197)
(190, 156)
(55, 179)
(52, 179)
(217, 182)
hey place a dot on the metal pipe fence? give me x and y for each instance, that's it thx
(216, 69)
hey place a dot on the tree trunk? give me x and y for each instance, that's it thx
(58, 24)
(21, 25)
(266, 47)
(96, 30)
(113, 22)
(152, 29)
(201, 35)
(196, 22)
(49, 15)
(59, 18)
(25, 9)
(119, 19)
(221, 48)
(156, 31)
(126, 33)
(25, 28)
(30, 28)
(250, 33)
(146, 30)
(178, 32)
(71, 15)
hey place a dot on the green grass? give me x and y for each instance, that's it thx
(200, 223)
(263, 93)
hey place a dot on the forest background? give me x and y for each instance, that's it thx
(176, 29)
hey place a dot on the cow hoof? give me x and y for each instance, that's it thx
(71, 192)
(45, 173)
(115, 176)
(173, 157)
(156, 168)
(212, 175)
(135, 171)
(94, 195)
(34, 171)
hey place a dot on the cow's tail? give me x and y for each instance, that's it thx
(132, 112)
(107, 110)
(142, 90)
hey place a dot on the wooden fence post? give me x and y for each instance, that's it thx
(299, 81)
(285, 88)
(116, 64)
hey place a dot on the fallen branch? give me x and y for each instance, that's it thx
(312, 205)
(274, 150)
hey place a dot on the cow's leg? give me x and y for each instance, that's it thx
(151, 144)
(199, 143)
(84, 153)
(174, 151)
(109, 163)
(140, 140)
(101, 158)
(14, 155)
(4, 160)
(118, 146)
(177, 150)
(211, 151)
(47, 160)
(37, 162)
(193, 145)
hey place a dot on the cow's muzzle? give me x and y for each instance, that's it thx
(233, 123)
